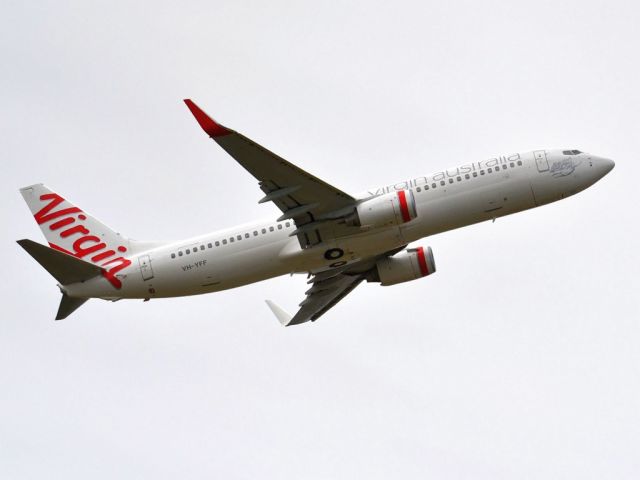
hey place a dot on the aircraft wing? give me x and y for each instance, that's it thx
(327, 289)
(302, 197)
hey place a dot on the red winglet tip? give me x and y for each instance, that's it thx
(212, 128)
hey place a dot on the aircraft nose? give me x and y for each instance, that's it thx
(602, 166)
(608, 165)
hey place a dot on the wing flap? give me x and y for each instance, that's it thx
(317, 304)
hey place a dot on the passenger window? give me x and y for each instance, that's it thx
(442, 182)
(418, 189)
(279, 226)
(239, 237)
(466, 176)
(519, 163)
(512, 165)
(187, 251)
(209, 245)
(173, 255)
(246, 235)
(224, 242)
(489, 170)
(264, 230)
(433, 185)
(287, 224)
(426, 187)
(231, 239)
(271, 229)
(459, 179)
(475, 174)
(217, 243)
(481, 172)
(201, 247)
(180, 253)
(255, 233)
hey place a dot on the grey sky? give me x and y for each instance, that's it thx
(518, 359)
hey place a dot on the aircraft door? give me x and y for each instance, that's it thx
(145, 267)
(541, 160)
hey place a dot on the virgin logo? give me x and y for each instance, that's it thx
(84, 243)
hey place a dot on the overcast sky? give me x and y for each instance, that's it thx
(518, 359)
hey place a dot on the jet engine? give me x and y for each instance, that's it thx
(392, 208)
(409, 264)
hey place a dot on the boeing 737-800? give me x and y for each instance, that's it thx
(336, 238)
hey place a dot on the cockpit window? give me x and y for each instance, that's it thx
(571, 152)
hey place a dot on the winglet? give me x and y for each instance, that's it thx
(209, 125)
(283, 317)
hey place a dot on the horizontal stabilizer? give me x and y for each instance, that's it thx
(63, 267)
(68, 305)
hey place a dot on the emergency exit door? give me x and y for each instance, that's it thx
(145, 267)
(541, 160)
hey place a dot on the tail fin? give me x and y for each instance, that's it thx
(63, 223)
(72, 230)
(65, 269)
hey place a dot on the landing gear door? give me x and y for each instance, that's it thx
(145, 267)
(541, 160)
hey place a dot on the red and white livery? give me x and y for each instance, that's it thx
(338, 239)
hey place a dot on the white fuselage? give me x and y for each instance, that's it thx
(444, 201)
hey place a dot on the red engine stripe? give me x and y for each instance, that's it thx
(404, 208)
(422, 261)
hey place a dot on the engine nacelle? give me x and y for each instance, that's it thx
(392, 208)
(410, 264)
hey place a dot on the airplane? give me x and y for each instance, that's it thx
(339, 240)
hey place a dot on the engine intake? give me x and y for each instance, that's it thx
(394, 208)
(410, 264)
